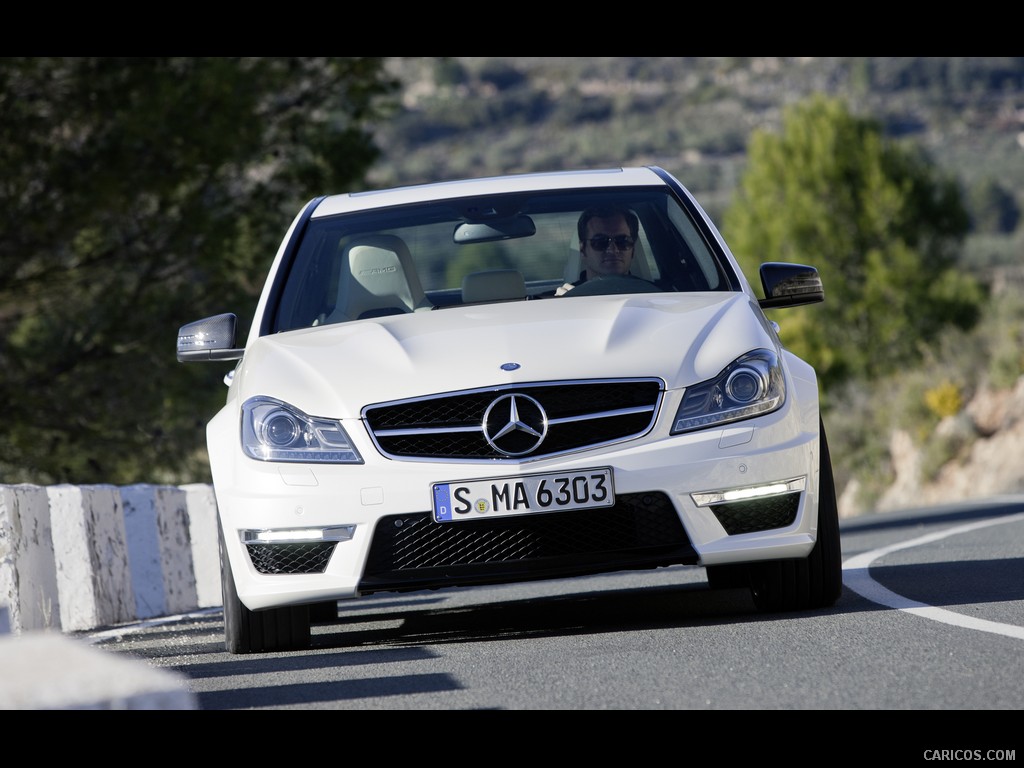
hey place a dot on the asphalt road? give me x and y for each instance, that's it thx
(931, 618)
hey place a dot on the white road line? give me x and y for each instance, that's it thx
(857, 578)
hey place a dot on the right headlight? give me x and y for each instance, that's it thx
(276, 431)
(749, 386)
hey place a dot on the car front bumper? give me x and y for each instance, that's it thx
(298, 533)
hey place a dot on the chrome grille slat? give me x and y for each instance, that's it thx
(581, 414)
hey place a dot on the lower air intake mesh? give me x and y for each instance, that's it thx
(291, 558)
(758, 514)
(414, 552)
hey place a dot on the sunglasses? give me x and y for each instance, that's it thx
(600, 242)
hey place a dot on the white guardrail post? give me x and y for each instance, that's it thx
(28, 569)
(78, 558)
(81, 557)
(90, 547)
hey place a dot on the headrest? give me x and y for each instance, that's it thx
(493, 285)
(378, 278)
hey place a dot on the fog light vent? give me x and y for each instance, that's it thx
(757, 514)
(291, 558)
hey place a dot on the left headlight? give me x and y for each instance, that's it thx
(749, 386)
(275, 431)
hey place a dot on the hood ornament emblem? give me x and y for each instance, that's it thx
(515, 425)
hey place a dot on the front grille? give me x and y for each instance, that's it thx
(291, 558)
(580, 414)
(757, 514)
(412, 551)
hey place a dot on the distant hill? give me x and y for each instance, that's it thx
(475, 116)
(991, 429)
(472, 116)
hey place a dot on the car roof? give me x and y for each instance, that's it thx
(526, 182)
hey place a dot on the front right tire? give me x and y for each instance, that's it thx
(273, 629)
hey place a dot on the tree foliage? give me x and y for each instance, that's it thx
(137, 194)
(993, 207)
(876, 218)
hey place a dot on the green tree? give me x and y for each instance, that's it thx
(138, 194)
(876, 218)
(993, 207)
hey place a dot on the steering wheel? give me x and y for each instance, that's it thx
(611, 284)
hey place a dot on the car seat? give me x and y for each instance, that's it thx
(377, 278)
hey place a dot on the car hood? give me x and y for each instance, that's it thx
(335, 370)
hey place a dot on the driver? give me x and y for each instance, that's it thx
(607, 234)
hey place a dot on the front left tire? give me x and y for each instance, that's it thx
(817, 580)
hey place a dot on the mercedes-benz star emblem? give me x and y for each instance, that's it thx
(515, 425)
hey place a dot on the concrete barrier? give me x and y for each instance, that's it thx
(160, 550)
(90, 545)
(28, 568)
(201, 505)
(49, 670)
(76, 558)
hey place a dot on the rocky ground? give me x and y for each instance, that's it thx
(991, 465)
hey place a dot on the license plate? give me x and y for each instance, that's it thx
(523, 495)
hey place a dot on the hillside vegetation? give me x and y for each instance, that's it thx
(464, 117)
(470, 117)
(145, 192)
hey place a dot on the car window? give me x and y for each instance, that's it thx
(354, 266)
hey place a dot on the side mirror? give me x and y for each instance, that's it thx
(212, 338)
(790, 285)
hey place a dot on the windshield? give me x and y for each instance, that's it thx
(518, 247)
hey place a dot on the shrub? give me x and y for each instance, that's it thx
(944, 400)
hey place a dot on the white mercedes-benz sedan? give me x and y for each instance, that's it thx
(506, 379)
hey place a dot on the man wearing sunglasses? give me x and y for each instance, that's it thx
(606, 241)
(607, 235)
